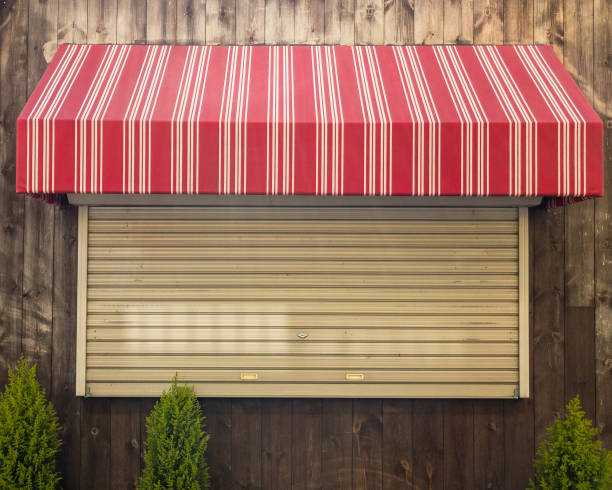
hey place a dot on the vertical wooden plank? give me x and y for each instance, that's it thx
(95, 444)
(339, 21)
(428, 21)
(279, 22)
(218, 414)
(276, 457)
(458, 444)
(397, 444)
(428, 444)
(488, 21)
(518, 21)
(306, 444)
(602, 100)
(246, 443)
(13, 87)
(131, 22)
(548, 24)
(367, 443)
(63, 374)
(161, 21)
(250, 22)
(101, 21)
(399, 22)
(72, 21)
(519, 447)
(336, 444)
(580, 356)
(518, 442)
(369, 22)
(36, 336)
(309, 21)
(220, 22)
(191, 21)
(548, 325)
(579, 226)
(124, 443)
(488, 444)
(458, 21)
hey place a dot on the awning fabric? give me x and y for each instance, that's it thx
(377, 120)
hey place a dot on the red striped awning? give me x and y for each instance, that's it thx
(378, 120)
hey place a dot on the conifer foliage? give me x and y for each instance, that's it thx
(29, 440)
(571, 458)
(176, 443)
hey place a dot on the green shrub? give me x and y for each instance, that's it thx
(29, 440)
(176, 443)
(571, 458)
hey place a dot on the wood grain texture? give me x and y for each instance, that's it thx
(220, 21)
(367, 444)
(191, 21)
(399, 22)
(101, 21)
(488, 21)
(63, 372)
(369, 22)
(580, 230)
(306, 444)
(549, 318)
(458, 21)
(602, 101)
(246, 443)
(336, 444)
(311, 26)
(548, 24)
(489, 444)
(428, 21)
(131, 21)
(276, 443)
(218, 413)
(250, 22)
(339, 21)
(459, 444)
(161, 21)
(38, 235)
(72, 21)
(397, 442)
(428, 444)
(95, 471)
(125, 440)
(13, 86)
(518, 21)
(280, 22)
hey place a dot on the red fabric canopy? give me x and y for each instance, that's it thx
(383, 120)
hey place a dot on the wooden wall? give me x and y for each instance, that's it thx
(280, 444)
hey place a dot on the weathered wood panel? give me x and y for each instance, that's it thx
(572, 270)
(602, 101)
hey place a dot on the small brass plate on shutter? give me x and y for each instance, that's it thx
(249, 376)
(355, 376)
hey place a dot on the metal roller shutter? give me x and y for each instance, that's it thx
(300, 302)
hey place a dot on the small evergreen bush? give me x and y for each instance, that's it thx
(571, 458)
(29, 440)
(176, 443)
